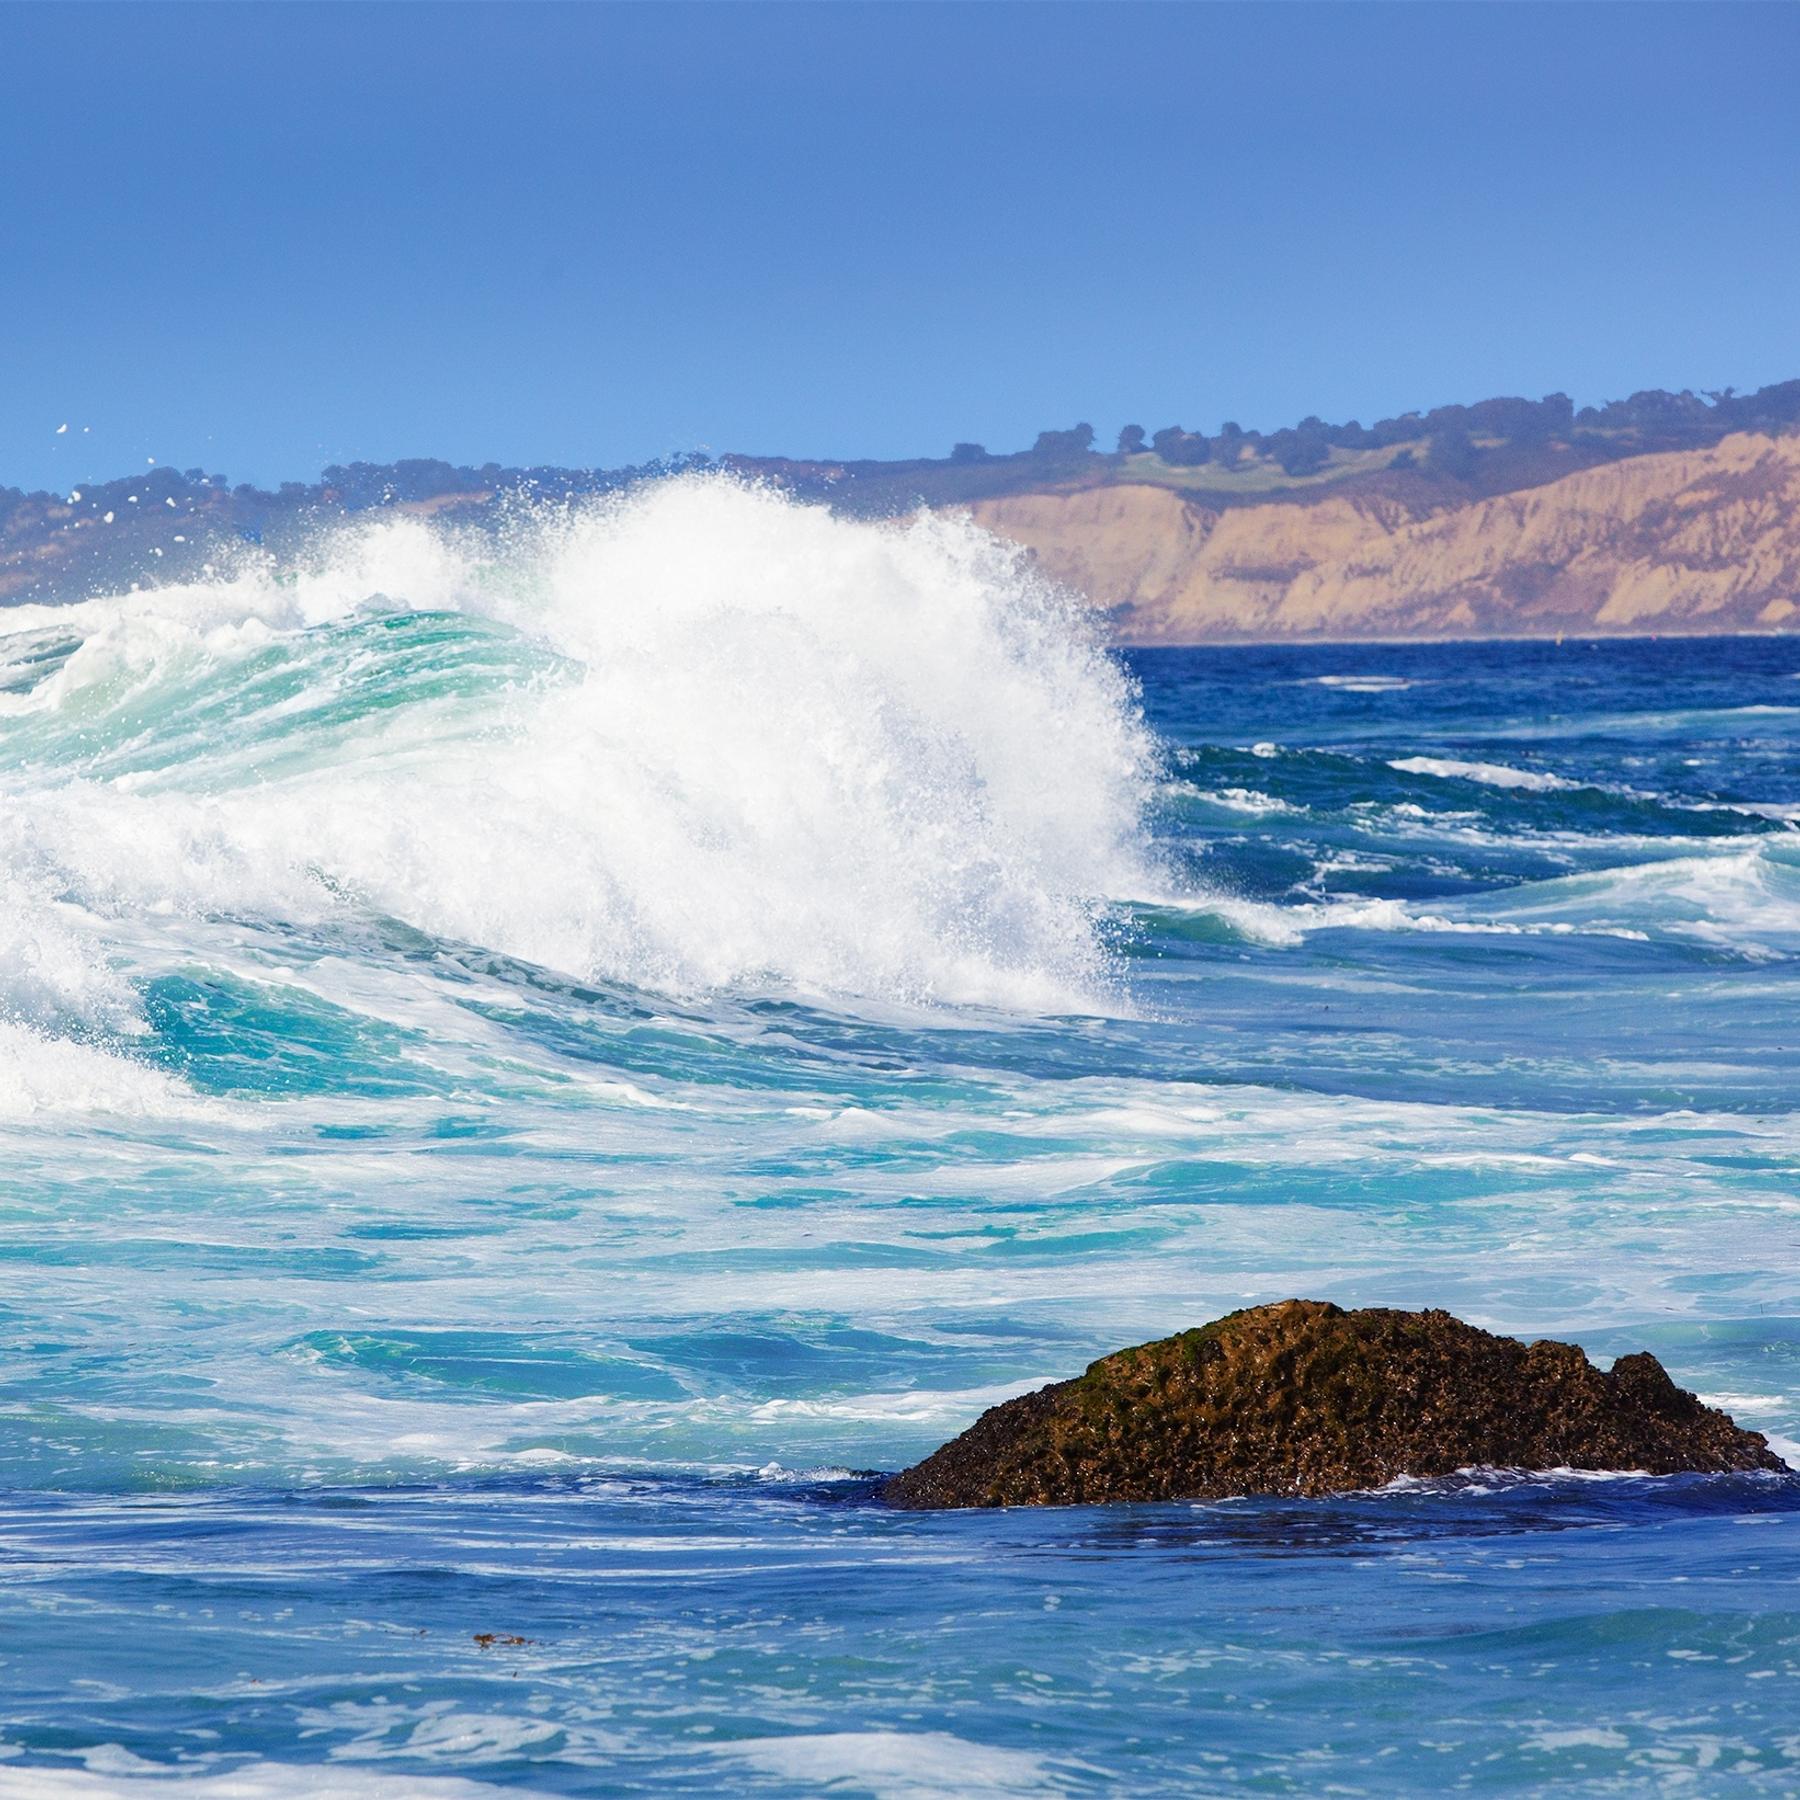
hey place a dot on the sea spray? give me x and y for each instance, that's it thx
(696, 737)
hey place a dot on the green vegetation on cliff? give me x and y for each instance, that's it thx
(168, 523)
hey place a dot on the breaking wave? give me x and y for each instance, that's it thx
(1499, 775)
(695, 738)
(1745, 902)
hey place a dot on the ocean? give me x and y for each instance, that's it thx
(534, 1063)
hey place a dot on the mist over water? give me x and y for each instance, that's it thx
(529, 1061)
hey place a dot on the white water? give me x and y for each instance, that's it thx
(1500, 775)
(763, 745)
(1746, 901)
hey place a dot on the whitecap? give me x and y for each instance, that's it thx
(769, 747)
(1366, 684)
(46, 1077)
(1236, 800)
(1499, 775)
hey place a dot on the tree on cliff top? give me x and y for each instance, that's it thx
(1229, 443)
(1303, 449)
(1181, 449)
(1062, 445)
(1452, 452)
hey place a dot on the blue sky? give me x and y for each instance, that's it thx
(262, 238)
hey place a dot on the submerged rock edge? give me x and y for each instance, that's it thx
(1305, 1398)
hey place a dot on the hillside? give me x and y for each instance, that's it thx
(1663, 512)
(1686, 541)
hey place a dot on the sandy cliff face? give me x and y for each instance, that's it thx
(1692, 541)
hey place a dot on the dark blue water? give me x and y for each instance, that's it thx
(469, 1238)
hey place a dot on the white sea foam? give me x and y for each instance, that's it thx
(40, 1074)
(1499, 775)
(1236, 800)
(52, 961)
(898, 1765)
(1743, 900)
(911, 1407)
(1746, 900)
(1366, 684)
(780, 747)
(1787, 1448)
(1581, 1737)
(1283, 926)
(114, 1773)
(1781, 811)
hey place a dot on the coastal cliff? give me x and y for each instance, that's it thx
(1689, 541)
(1507, 518)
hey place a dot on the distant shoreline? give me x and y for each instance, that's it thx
(1570, 639)
(1628, 539)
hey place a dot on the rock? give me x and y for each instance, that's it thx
(1303, 1397)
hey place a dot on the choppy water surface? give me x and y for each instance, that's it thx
(528, 1069)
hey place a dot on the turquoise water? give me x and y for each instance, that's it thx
(530, 1070)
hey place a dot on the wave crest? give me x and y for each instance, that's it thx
(694, 737)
